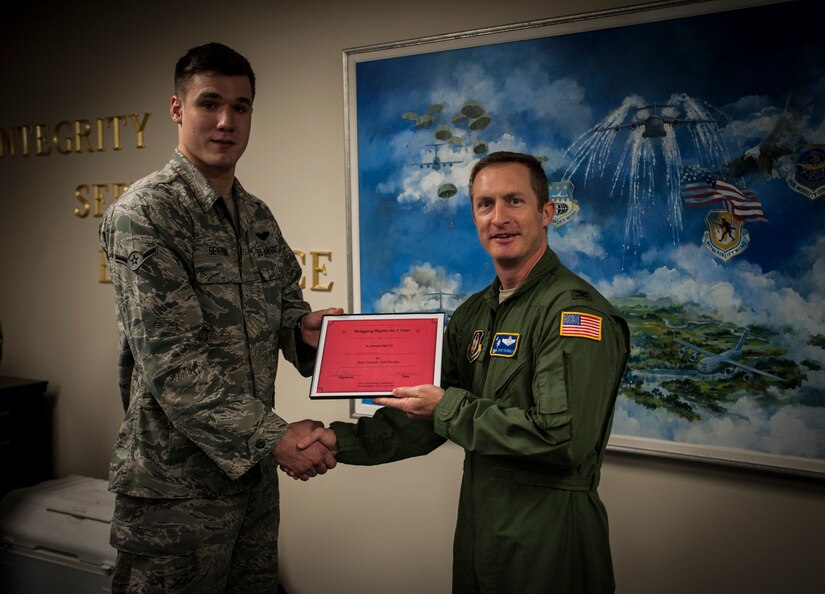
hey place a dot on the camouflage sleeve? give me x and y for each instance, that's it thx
(149, 244)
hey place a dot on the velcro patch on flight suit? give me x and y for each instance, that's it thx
(474, 348)
(504, 344)
(580, 325)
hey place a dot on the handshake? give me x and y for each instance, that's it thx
(307, 449)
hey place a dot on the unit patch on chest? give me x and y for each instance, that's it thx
(474, 348)
(504, 344)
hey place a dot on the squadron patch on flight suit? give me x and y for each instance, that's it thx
(474, 348)
(135, 259)
(581, 325)
(504, 344)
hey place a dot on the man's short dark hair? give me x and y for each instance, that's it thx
(538, 179)
(212, 57)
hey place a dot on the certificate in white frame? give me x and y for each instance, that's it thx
(366, 355)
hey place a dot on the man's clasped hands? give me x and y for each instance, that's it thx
(308, 449)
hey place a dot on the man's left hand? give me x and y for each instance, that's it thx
(311, 324)
(418, 402)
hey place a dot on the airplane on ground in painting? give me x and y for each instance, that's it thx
(725, 362)
(654, 124)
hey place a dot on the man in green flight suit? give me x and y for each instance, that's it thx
(531, 369)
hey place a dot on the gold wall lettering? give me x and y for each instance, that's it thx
(302, 258)
(103, 268)
(97, 197)
(317, 269)
(76, 136)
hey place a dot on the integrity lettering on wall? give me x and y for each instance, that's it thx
(111, 133)
(72, 136)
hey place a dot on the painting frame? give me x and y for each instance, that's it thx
(558, 26)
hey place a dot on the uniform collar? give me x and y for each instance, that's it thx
(548, 262)
(203, 190)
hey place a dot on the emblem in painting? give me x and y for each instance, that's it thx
(726, 235)
(808, 176)
(561, 194)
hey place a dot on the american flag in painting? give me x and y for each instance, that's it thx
(581, 324)
(701, 187)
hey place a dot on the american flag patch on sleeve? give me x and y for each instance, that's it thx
(582, 325)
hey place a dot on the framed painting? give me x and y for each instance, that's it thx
(685, 147)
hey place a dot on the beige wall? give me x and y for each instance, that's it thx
(676, 527)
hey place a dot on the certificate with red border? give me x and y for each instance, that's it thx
(363, 355)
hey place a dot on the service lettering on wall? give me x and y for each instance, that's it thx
(82, 136)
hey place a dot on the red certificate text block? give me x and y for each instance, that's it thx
(373, 356)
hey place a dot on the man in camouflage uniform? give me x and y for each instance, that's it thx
(530, 372)
(207, 294)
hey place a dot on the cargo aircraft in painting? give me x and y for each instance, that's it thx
(726, 362)
(654, 124)
(436, 163)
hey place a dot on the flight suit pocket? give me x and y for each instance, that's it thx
(554, 388)
(513, 383)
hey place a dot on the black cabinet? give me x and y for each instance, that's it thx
(25, 433)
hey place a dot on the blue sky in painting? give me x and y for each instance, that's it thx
(542, 95)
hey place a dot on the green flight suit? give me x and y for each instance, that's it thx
(530, 389)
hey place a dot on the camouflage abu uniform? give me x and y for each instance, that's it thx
(202, 312)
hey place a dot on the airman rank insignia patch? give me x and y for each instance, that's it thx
(504, 344)
(474, 348)
(135, 259)
(580, 325)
